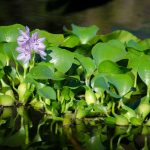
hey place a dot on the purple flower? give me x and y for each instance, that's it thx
(24, 37)
(29, 44)
(24, 54)
(37, 44)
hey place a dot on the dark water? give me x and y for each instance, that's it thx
(83, 135)
(52, 15)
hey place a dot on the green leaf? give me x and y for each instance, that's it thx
(10, 33)
(61, 58)
(1, 74)
(139, 63)
(113, 50)
(146, 43)
(123, 36)
(2, 60)
(134, 60)
(108, 66)
(52, 39)
(47, 92)
(42, 71)
(83, 50)
(99, 81)
(9, 50)
(84, 33)
(123, 82)
(58, 76)
(136, 45)
(71, 41)
(144, 69)
(87, 63)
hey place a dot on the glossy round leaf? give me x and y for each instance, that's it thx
(136, 45)
(108, 66)
(144, 69)
(71, 41)
(52, 39)
(113, 50)
(87, 63)
(122, 35)
(59, 76)
(2, 60)
(10, 33)
(47, 92)
(145, 43)
(61, 58)
(123, 82)
(84, 33)
(41, 71)
(9, 50)
(134, 58)
(99, 81)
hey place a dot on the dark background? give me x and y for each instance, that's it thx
(52, 15)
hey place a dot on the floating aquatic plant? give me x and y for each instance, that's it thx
(76, 75)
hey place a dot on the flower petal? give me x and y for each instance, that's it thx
(42, 54)
(34, 37)
(41, 39)
(20, 49)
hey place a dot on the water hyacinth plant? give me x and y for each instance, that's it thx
(76, 75)
(27, 45)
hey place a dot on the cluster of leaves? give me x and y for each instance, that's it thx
(84, 73)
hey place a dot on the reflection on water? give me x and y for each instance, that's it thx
(25, 131)
(83, 135)
(132, 15)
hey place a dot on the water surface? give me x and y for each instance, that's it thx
(52, 15)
